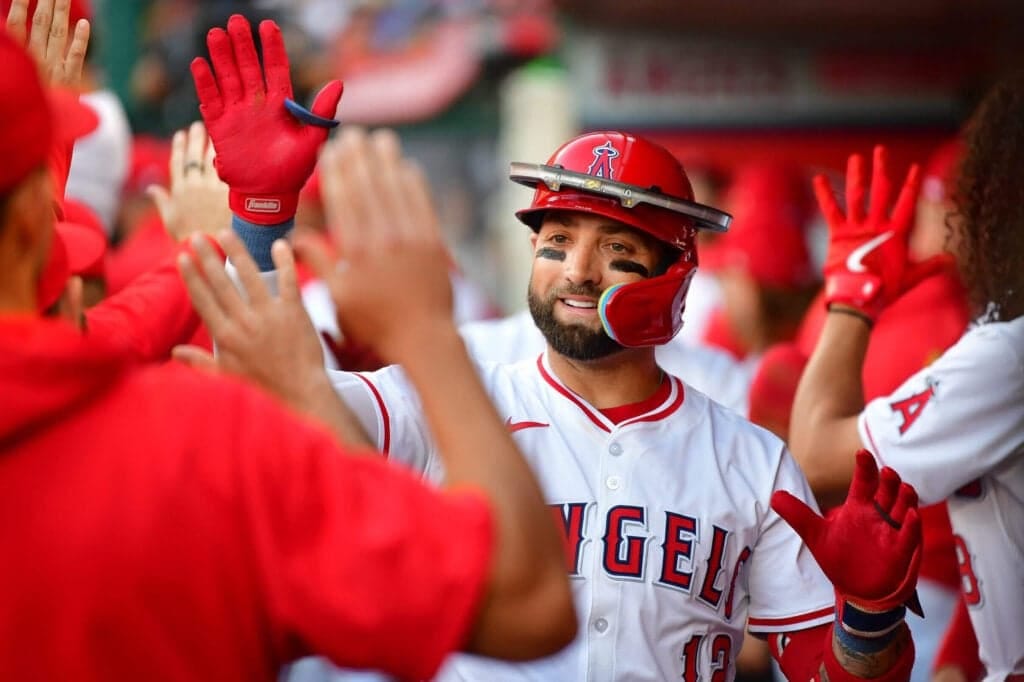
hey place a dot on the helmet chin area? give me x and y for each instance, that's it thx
(649, 312)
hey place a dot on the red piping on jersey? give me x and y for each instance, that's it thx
(655, 416)
(871, 439)
(600, 421)
(791, 620)
(385, 417)
(570, 395)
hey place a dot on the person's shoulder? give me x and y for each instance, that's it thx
(998, 340)
(727, 423)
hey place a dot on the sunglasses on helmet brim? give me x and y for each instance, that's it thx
(629, 196)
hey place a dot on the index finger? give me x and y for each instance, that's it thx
(865, 478)
(248, 274)
(201, 294)
(827, 202)
(287, 280)
(177, 161)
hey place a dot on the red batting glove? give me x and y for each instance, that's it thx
(870, 548)
(867, 253)
(266, 144)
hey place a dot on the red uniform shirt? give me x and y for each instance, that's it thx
(159, 523)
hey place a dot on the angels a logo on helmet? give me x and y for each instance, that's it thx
(601, 166)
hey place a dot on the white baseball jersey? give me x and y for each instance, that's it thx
(710, 371)
(671, 542)
(955, 431)
(468, 300)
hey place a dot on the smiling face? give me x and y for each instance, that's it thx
(576, 257)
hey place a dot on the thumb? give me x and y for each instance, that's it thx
(161, 198)
(804, 520)
(195, 357)
(326, 103)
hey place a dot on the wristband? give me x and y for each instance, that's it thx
(259, 238)
(854, 313)
(870, 625)
(864, 645)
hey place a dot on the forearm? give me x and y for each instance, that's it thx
(823, 428)
(528, 571)
(149, 317)
(893, 662)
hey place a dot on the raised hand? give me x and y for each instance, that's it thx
(266, 143)
(197, 202)
(867, 252)
(870, 548)
(264, 337)
(46, 37)
(391, 286)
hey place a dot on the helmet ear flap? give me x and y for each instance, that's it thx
(648, 312)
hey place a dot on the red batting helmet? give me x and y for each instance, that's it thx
(639, 183)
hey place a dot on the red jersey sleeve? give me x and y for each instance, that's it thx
(360, 560)
(149, 316)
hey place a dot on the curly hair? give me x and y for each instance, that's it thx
(990, 202)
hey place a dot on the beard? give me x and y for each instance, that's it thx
(574, 341)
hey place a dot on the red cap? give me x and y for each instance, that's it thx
(84, 240)
(26, 124)
(150, 164)
(771, 206)
(940, 170)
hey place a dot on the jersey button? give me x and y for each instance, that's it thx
(600, 625)
(615, 449)
(613, 483)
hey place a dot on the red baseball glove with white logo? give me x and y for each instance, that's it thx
(870, 548)
(266, 144)
(867, 263)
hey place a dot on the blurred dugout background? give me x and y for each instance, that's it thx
(474, 84)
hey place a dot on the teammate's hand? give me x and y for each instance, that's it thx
(867, 252)
(266, 144)
(46, 37)
(197, 202)
(870, 548)
(391, 287)
(266, 338)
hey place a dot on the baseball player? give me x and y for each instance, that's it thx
(144, 539)
(955, 429)
(665, 499)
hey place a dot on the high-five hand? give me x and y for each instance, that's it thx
(867, 251)
(266, 143)
(391, 286)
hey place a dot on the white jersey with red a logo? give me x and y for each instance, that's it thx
(955, 431)
(671, 542)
